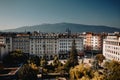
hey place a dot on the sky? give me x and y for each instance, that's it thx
(18, 13)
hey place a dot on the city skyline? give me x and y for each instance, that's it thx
(18, 13)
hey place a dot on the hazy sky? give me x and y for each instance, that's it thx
(18, 13)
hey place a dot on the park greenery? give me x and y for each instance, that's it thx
(28, 72)
(15, 57)
(96, 64)
(82, 72)
(112, 70)
(99, 58)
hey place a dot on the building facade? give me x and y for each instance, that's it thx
(43, 43)
(21, 42)
(3, 47)
(53, 44)
(111, 47)
(92, 41)
(65, 45)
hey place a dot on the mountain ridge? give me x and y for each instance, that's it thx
(60, 27)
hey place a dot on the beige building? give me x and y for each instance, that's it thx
(111, 47)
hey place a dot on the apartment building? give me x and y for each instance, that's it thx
(3, 47)
(21, 42)
(111, 47)
(43, 43)
(39, 43)
(92, 41)
(9, 43)
(65, 43)
(8, 39)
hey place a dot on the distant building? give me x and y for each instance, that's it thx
(111, 47)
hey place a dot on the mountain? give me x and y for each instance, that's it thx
(61, 27)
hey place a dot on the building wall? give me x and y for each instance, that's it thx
(21, 42)
(65, 44)
(9, 43)
(51, 43)
(3, 47)
(111, 48)
(43, 43)
(3, 51)
(92, 41)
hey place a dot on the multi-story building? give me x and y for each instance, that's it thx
(65, 43)
(39, 43)
(8, 39)
(21, 42)
(92, 41)
(9, 43)
(52, 44)
(43, 43)
(3, 47)
(111, 47)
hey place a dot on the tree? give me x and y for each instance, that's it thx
(95, 65)
(15, 57)
(27, 72)
(56, 62)
(80, 72)
(34, 59)
(100, 58)
(73, 59)
(112, 70)
(43, 61)
(97, 76)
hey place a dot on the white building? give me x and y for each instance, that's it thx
(3, 47)
(38, 43)
(43, 43)
(65, 43)
(9, 43)
(52, 44)
(111, 48)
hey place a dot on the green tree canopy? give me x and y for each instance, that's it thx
(43, 61)
(27, 72)
(15, 57)
(35, 60)
(56, 62)
(112, 70)
(73, 59)
(100, 58)
(80, 72)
